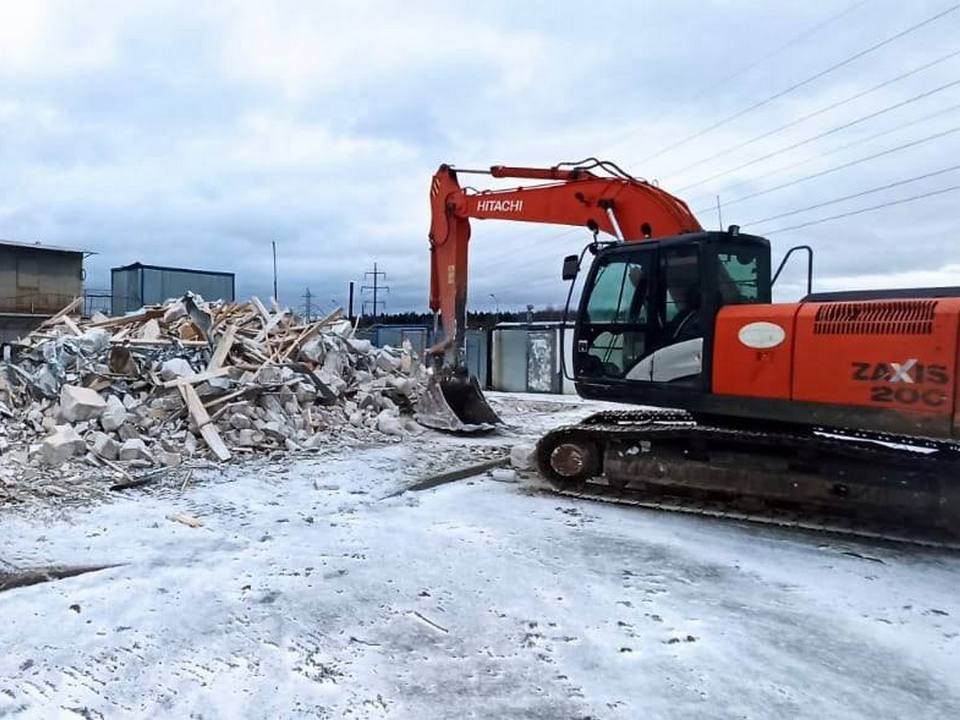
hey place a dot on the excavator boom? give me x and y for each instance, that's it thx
(615, 203)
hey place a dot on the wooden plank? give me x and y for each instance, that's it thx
(281, 356)
(71, 325)
(308, 331)
(188, 520)
(249, 389)
(129, 319)
(140, 342)
(452, 476)
(268, 328)
(255, 301)
(196, 378)
(205, 425)
(70, 308)
(224, 346)
(252, 348)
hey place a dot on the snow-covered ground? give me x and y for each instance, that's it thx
(309, 592)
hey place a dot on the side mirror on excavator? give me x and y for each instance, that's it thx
(571, 266)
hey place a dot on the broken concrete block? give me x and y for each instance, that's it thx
(387, 363)
(168, 459)
(128, 432)
(175, 368)
(313, 350)
(364, 347)
(504, 475)
(93, 341)
(62, 445)
(269, 375)
(389, 423)
(174, 312)
(274, 429)
(522, 457)
(246, 438)
(367, 401)
(80, 403)
(317, 440)
(403, 385)
(134, 449)
(150, 330)
(114, 415)
(104, 446)
(35, 416)
(240, 422)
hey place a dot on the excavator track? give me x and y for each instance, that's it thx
(874, 485)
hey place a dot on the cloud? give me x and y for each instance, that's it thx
(195, 134)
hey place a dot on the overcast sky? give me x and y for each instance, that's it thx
(192, 134)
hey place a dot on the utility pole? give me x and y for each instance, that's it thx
(376, 287)
(308, 305)
(350, 303)
(275, 293)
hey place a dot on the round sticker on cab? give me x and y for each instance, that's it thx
(761, 335)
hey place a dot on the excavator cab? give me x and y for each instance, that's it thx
(645, 324)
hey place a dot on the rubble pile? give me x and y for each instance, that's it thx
(192, 380)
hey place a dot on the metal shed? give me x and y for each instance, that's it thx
(136, 285)
(36, 281)
(525, 357)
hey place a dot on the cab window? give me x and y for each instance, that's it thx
(618, 294)
(737, 280)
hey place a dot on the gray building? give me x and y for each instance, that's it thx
(136, 285)
(36, 281)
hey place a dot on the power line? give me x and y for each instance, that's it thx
(815, 113)
(889, 151)
(308, 305)
(847, 146)
(827, 153)
(797, 85)
(376, 287)
(826, 133)
(748, 67)
(861, 211)
(879, 188)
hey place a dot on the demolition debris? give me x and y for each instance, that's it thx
(189, 381)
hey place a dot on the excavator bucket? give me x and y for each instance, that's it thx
(454, 402)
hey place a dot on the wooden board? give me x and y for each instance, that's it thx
(128, 319)
(70, 308)
(196, 378)
(255, 301)
(71, 325)
(200, 416)
(224, 345)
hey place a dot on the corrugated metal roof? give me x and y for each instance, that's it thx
(142, 266)
(39, 246)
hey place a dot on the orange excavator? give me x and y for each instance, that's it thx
(840, 411)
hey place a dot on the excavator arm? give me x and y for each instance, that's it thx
(573, 194)
(619, 205)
